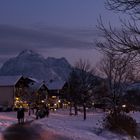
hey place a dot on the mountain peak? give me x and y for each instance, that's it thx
(30, 63)
(27, 53)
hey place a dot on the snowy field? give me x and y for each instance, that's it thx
(72, 127)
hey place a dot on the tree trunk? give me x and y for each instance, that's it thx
(75, 109)
(29, 113)
(70, 109)
(84, 108)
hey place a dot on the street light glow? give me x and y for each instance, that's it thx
(123, 106)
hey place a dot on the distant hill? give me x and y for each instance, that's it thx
(30, 63)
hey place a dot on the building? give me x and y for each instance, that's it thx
(12, 88)
(16, 91)
(39, 92)
(55, 96)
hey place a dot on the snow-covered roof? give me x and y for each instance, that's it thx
(33, 79)
(9, 80)
(134, 86)
(37, 86)
(55, 85)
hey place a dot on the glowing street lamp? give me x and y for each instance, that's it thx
(93, 103)
(42, 101)
(123, 106)
(17, 98)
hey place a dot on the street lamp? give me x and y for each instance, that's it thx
(124, 106)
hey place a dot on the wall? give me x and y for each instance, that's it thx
(6, 95)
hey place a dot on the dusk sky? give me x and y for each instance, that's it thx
(57, 28)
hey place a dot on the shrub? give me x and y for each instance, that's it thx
(122, 123)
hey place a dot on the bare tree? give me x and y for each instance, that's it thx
(71, 90)
(128, 6)
(86, 83)
(80, 85)
(125, 40)
(121, 41)
(117, 72)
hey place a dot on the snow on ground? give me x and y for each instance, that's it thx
(72, 127)
(135, 115)
(7, 119)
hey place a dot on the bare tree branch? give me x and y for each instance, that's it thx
(125, 41)
(131, 7)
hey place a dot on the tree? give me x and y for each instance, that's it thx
(117, 71)
(126, 40)
(123, 42)
(123, 47)
(71, 90)
(128, 6)
(86, 83)
(80, 85)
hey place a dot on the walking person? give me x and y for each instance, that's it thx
(36, 113)
(19, 115)
(22, 115)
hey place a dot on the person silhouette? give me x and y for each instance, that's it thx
(20, 115)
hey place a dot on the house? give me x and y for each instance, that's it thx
(19, 90)
(39, 92)
(55, 95)
(12, 88)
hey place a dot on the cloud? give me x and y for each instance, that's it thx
(41, 38)
(13, 39)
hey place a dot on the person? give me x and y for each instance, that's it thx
(36, 113)
(20, 115)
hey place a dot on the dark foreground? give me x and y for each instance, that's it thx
(28, 132)
(21, 132)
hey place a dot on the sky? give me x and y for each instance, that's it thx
(57, 28)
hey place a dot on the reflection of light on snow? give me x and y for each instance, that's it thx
(1, 137)
(2, 117)
(7, 119)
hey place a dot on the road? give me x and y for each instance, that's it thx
(28, 132)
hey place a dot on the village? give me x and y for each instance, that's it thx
(19, 91)
(70, 70)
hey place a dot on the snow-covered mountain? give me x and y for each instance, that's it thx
(30, 63)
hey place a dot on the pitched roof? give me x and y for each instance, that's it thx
(55, 85)
(9, 80)
(36, 86)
